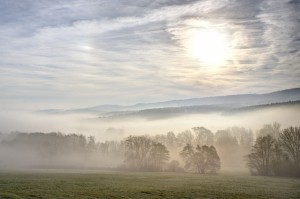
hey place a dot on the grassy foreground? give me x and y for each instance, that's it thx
(53, 184)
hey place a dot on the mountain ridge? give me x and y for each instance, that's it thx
(170, 112)
(241, 100)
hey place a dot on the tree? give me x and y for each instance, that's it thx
(246, 140)
(204, 159)
(213, 162)
(137, 151)
(91, 144)
(270, 129)
(198, 159)
(185, 137)
(187, 155)
(203, 136)
(228, 147)
(243, 136)
(159, 155)
(290, 141)
(160, 138)
(280, 161)
(143, 154)
(260, 159)
(171, 140)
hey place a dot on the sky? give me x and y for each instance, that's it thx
(80, 53)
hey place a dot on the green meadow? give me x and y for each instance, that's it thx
(110, 184)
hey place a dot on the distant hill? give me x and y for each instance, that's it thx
(170, 112)
(239, 100)
(205, 103)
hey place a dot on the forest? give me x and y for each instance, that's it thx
(271, 150)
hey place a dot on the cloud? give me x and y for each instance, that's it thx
(82, 53)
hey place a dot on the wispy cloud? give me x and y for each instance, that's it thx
(79, 53)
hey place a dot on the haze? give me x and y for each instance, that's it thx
(101, 72)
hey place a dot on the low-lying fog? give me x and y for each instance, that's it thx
(90, 124)
(66, 150)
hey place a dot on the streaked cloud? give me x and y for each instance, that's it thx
(82, 53)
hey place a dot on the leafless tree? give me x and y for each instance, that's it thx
(260, 159)
(142, 153)
(159, 156)
(290, 141)
(137, 152)
(270, 129)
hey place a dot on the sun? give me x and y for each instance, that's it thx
(208, 46)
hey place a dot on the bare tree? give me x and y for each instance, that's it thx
(159, 155)
(141, 153)
(137, 151)
(260, 159)
(270, 129)
(280, 161)
(290, 141)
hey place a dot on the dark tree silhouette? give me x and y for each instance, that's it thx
(260, 159)
(290, 141)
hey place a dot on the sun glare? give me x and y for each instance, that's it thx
(209, 47)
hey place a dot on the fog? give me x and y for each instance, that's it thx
(91, 141)
(101, 129)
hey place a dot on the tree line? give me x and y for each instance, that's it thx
(144, 154)
(269, 151)
(276, 153)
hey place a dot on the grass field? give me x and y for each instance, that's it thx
(60, 184)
